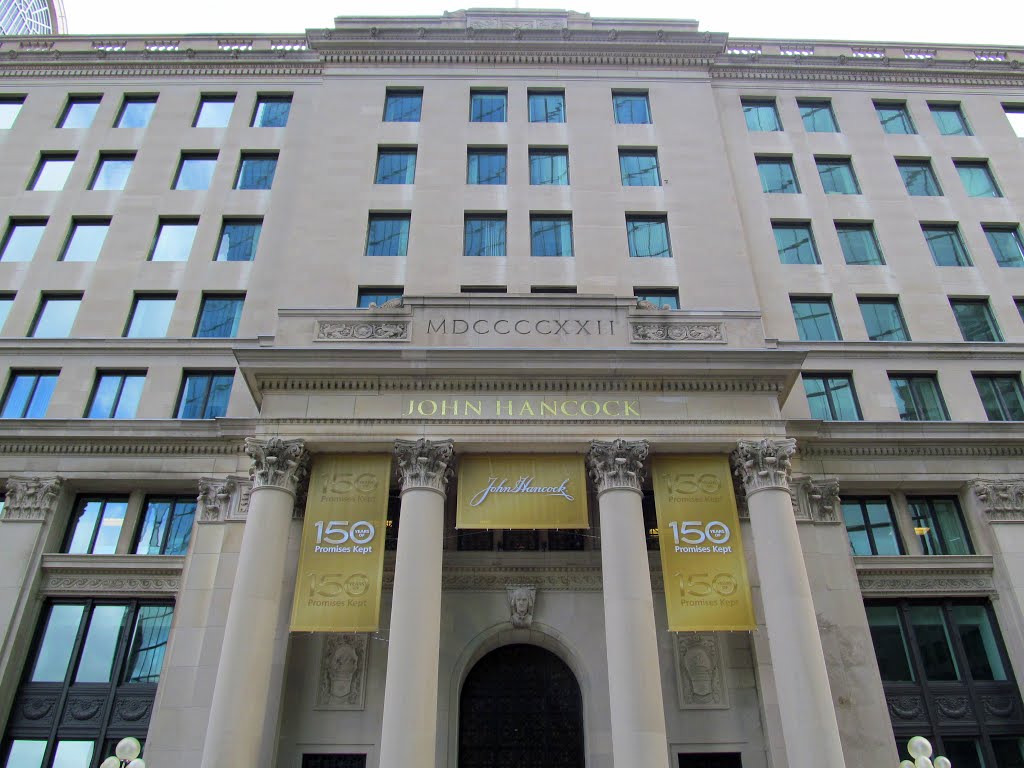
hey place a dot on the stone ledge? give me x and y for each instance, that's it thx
(111, 575)
(923, 575)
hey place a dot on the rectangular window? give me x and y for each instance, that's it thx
(6, 301)
(115, 395)
(761, 115)
(166, 526)
(112, 171)
(85, 240)
(1015, 114)
(631, 108)
(173, 241)
(815, 319)
(977, 178)
(402, 106)
(136, 112)
(918, 397)
(52, 172)
(370, 298)
(95, 526)
(648, 237)
(1001, 395)
(871, 526)
(939, 525)
(150, 316)
(214, 112)
(918, 178)
(204, 394)
(195, 171)
(271, 111)
(56, 316)
(1006, 245)
(10, 106)
(22, 239)
(975, 320)
(28, 394)
(546, 106)
(387, 234)
(486, 166)
(891, 650)
(831, 396)
(1020, 308)
(777, 175)
(239, 239)
(950, 120)
(549, 167)
(795, 243)
(817, 116)
(883, 319)
(837, 177)
(894, 117)
(488, 106)
(550, 235)
(639, 168)
(395, 166)
(946, 245)
(256, 171)
(484, 235)
(334, 760)
(79, 112)
(660, 298)
(859, 244)
(219, 315)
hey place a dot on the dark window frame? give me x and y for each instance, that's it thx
(175, 500)
(825, 376)
(941, 536)
(100, 374)
(12, 378)
(210, 375)
(80, 501)
(869, 527)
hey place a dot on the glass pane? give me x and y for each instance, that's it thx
(110, 528)
(837, 177)
(131, 392)
(486, 167)
(395, 167)
(549, 168)
(5, 308)
(933, 643)
(112, 174)
(220, 391)
(79, 114)
(1015, 116)
(22, 241)
(256, 173)
(387, 236)
(946, 247)
(86, 242)
(56, 317)
(550, 237)
(761, 117)
(1010, 396)
(949, 120)
(664, 300)
(26, 754)
(136, 113)
(815, 321)
(180, 533)
(485, 237)
(487, 107)
(238, 241)
(195, 173)
(547, 107)
(9, 109)
(100, 645)
(73, 754)
(894, 118)
(150, 318)
(272, 113)
(1009, 752)
(883, 321)
(631, 108)
(214, 113)
(57, 644)
(883, 530)
(193, 397)
(648, 238)
(403, 107)
(88, 515)
(964, 753)
(639, 169)
(174, 242)
(817, 117)
(795, 244)
(155, 521)
(148, 644)
(41, 397)
(844, 403)
(1007, 247)
(777, 176)
(979, 641)
(853, 516)
(978, 181)
(859, 245)
(53, 174)
(919, 179)
(219, 318)
(951, 524)
(890, 644)
(104, 397)
(927, 399)
(975, 321)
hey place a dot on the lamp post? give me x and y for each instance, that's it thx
(921, 750)
(126, 755)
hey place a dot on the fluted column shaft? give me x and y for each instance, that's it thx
(242, 688)
(409, 728)
(809, 725)
(634, 676)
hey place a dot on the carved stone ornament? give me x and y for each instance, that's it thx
(650, 305)
(617, 464)
(342, 679)
(216, 499)
(521, 603)
(396, 303)
(31, 498)
(277, 463)
(424, 463)
(700, 678)
(677, 332)
(1001, 500)
(343, 330)
(816, 500)
(763, 464)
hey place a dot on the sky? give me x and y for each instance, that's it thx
(980, 22)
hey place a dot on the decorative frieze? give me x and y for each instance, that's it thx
(764, 464)
(31, 499)
(1001, 500)
(700, 670)
(111, 575)
(617, 464)
(371, 330)
(342, 679)
(666, 331)
(277, 463)
(424, 463)
(922, 576)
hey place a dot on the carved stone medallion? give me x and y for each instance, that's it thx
(342, 679)
(700, 677)
(521, 603)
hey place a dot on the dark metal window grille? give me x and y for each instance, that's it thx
(334, 761)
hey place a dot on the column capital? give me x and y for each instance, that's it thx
(1000, 500)
(425, 463)
(32, 498)
(277, 463)
(763, 464)
(617, 464)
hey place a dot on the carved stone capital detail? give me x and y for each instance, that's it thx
(816, 500)
(424, 463)
(217, 497)
(677, 332)
(374, 330)
(1001, 500)
(617, 464)
(31, 498)
(762, 464)
(277, 463)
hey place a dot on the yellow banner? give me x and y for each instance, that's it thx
(706, 585)
(341, 562)
(525, 491)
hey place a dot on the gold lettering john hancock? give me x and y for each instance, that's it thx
(523, 485)
(524, 409)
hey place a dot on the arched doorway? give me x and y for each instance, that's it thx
(521, 708)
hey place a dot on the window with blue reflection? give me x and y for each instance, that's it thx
(549, 167)
(271, 111)
(256, 172)
(96, 660)
(815, 319)
(28, 394)
(977, 178)
(10, 106)
(837, 177)
(859, 244)
(488, 106)
(6, 302)
(56, 316)
(115, 396)
(761, 115)
(204, 395)
(150, 316)
(894, 117)
(1006, 244)
(136, 112)
(550, 235)
(830, 397)
(395, 166)
(375, 297)
(52, 172)
(403, 106)
(112, 172)
(173, 241)
(484, 236)
(546, 106)
(631, 108)
(54, 654)
(919, 178)
(950, 120)
(817, 116)
(195, 172)
(166, 526)
(660, 298)
(214, 112)
(239, 239)
(639, 168)
(26, 753)
(387, 235)
(486, 166)
(883, 319)
(946, 245)
(86, 240)
(777, 175)
(149, 641)
(95, 525)
(22, 239)
(795, 243)
(219, 317)
(648, 237)
(918, 397)
(79, 112)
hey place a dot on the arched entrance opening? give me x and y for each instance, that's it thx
(521, 707)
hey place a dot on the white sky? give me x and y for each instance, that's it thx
(988, 22)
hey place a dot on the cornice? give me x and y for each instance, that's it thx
(127, 446)
(904, 350)
(910, 575)
(103, 575)
(904, 72)
(956, 439)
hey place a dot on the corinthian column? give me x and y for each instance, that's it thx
(634, 676)
(808, 716)
(242, 697)
(409, 732)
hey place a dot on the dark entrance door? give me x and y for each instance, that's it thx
(521, 708)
